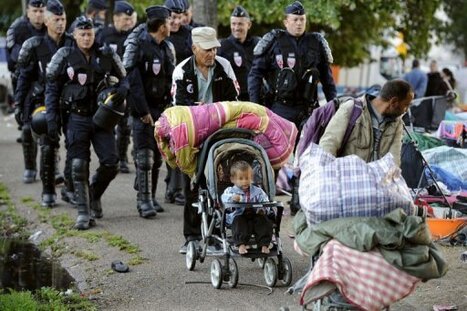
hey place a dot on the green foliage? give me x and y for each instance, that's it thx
(86, 254)
(454, 30)
(121, 243)
(44, 299)
(10, 221)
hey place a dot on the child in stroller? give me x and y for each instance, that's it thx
(246, 221)
(218, 153)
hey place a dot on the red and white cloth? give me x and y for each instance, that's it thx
(365, 279)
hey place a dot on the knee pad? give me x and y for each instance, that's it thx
(145, 159)
(80, 169)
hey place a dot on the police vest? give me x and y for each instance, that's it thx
(114, 39)
(155, 69)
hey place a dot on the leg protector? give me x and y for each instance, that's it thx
(100, 181)
(145, 159)
(30, 155)
(59, 178)
(47, 173)
(80, 174)
(294, 201)
(155, 177)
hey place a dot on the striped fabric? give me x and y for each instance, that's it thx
(349, 187)
(450, 159)
(365, 279)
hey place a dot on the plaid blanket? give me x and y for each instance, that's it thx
(365, 279)
(349, 187)
(450, 159)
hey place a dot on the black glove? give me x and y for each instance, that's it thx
(19, 115)
(52, 132)
(121, 92)
(106, 50)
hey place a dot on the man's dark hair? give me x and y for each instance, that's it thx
(154, 24)
(90, 10)
(415, 63)
(395, 88)
(239, 166)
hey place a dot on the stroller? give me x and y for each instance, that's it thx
(217, 153)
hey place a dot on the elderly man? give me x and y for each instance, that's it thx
(291, 54)
(238, 48)
(202, 78)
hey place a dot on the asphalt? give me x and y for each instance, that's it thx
(162, 282)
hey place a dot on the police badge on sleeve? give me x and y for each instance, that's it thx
(70, 72)
(82, 77)
(156, 66)
(237, 59)
(279, 61)
(291, 60)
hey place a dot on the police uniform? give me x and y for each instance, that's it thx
(17, 33)
(116, 39)
(181, 39)
(34, 56)
(71, 98)
(240, 55)
(150, 66)
(98, 24)
(279, 55)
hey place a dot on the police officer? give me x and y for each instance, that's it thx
(32, 62)
(238, 48)
(202, 78)
(180, 35)
(96, 11)
(74, 78)
(188, 15)
(290, 61)
(150, 60)
(115, 36)
(21, 29)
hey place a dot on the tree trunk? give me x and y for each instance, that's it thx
(205, 12)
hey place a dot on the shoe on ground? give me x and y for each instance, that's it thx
(29, 176)
(169, 197)
(157, 206)
(119, 266)
(48, 200)
(124, 167)
(179, 198)
(146, 210)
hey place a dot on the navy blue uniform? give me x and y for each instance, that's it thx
(150, 66)
(240, 56)
(33, 58)
(116, 39)
(277, 50)
(181, 41)
(19, 31)
(71, 98)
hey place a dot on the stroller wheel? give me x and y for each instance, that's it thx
(285, 271)
(261, 262)
(216, 273)
(191, 255)
(270, 272)
(233, 269)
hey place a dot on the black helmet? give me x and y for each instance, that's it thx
(39, 122)
(111, 109)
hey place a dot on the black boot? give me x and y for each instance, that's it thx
(68, 190)
(59, 178)
(47, 173)
(144, 203)
(155, 177)
(80, 173)
(100, 181)
(294, 201)
(123, 140)
(30, 155)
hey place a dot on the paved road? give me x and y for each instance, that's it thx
(158, 283)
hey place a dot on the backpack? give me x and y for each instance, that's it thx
(316, 124)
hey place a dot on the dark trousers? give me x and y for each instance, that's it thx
(81, 132)
(243, 226)
(191, 218)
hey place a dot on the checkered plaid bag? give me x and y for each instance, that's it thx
(333, 187)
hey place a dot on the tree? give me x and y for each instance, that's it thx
(454, 30)
(350, 26)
